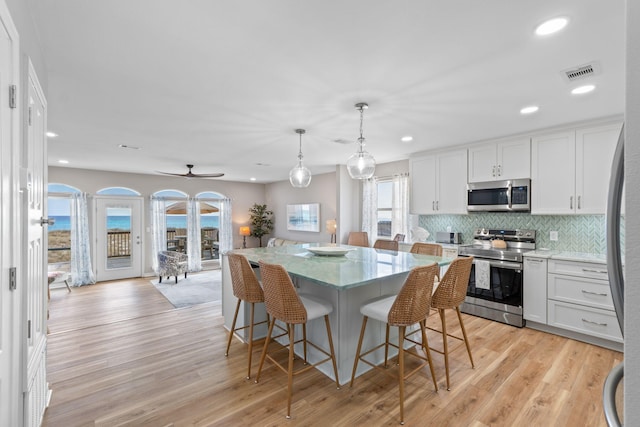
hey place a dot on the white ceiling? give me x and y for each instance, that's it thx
(223, 85)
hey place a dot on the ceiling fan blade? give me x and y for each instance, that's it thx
(206, 175)
(190, 174)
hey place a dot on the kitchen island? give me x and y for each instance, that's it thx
(346, 281)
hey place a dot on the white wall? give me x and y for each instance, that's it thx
(323, 190)
(632, 231)
(29, 42)
(243, 195)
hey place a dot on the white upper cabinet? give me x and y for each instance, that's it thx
(595, 147)
(438, 183)
(500, 160)
(570, 170)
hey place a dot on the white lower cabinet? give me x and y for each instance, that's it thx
(534, 292)
(579, 299)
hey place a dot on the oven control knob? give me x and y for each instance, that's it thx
(528, 234)
(519, 233)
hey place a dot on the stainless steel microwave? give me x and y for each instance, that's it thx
(499, 196)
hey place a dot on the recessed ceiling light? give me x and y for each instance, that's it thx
(529, 110)
(583, 89)
(51, 134)
(407, 138)
(551, 26)
(64, 162)
(252, 178)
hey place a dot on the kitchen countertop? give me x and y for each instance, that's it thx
(568, 256)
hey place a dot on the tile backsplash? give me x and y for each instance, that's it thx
(576, 233)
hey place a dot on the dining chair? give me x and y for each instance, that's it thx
(410, 307)
(399, 237)
(358, 238)
(450, 294)
(285, 305)
(432, 249)
(389, 245)
(245, 288)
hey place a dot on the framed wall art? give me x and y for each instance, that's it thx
(303, 217)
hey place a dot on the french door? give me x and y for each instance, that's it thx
(118, 225)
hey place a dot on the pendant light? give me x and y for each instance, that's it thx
(300, 176)
(361, 165)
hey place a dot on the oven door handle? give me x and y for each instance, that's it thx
(501, 264)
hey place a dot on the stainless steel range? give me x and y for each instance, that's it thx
(495, 283)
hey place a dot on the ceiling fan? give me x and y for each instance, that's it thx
(190, 174)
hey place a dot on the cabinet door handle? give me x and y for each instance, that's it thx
(579, 207)
(493, 171)
(437, 205)
(593, 323)
(499, 170)
(591, 270)
(584, 291)
(571, 202)
(433, 205)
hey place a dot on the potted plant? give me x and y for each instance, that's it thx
(261, 221)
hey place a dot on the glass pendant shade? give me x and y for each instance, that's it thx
(361, 164)
(300, 176)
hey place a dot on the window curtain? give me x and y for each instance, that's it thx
(81, 270)
(400, 205)
(194, 240)
(158, 229)
(370, 208)
(226, 226)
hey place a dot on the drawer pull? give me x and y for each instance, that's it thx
(590, 270)
(593, 323)
(534, 260)
(593, 293)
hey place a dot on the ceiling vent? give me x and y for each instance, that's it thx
(582, 72)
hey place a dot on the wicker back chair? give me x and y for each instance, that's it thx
(433, 249)
(358, 238)
(388, 245)
(450, 294)
(399, 237)
(245, 288)
(281, 298)
(285, 305)
(411, 306)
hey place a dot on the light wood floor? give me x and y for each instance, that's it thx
(139, 362)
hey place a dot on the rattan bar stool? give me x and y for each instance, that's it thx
(411, 306)
(245, 288)
(432, 249)
(358, 238)
(285, 305)
(388, 245)
(450, 294)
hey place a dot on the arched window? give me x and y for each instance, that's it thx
(118, 191)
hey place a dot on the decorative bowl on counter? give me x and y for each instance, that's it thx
(329, 250)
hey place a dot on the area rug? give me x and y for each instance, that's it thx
(197, 288)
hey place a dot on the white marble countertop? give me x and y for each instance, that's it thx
(568, 256)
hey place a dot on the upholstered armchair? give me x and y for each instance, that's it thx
(171, 263)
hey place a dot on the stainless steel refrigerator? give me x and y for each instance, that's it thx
(616, 277)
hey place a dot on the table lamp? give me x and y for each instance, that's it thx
(244, 232)
(332, 226)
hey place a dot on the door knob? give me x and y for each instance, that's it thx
(48, 221)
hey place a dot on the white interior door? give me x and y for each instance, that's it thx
(118, 237)
(34, 163)
(10, 301)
